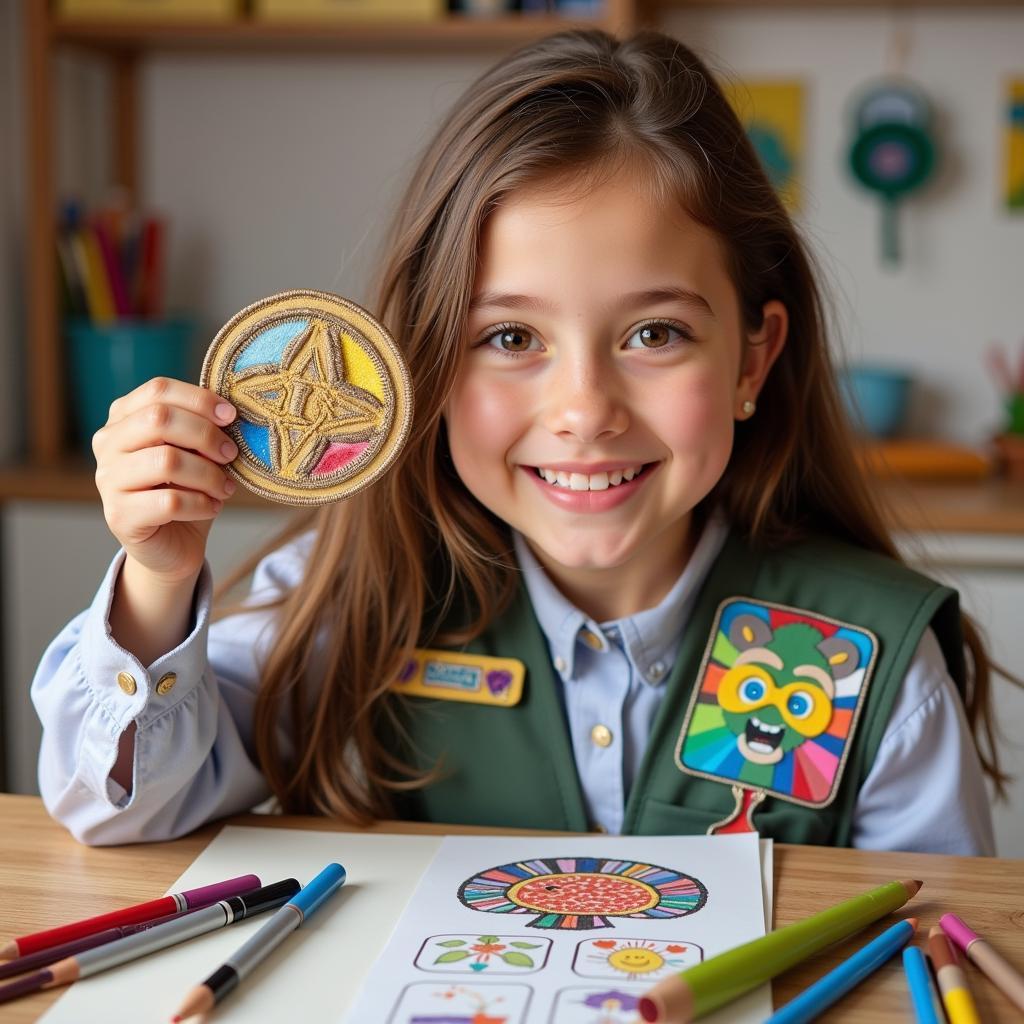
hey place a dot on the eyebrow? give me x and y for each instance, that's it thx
(649, 296)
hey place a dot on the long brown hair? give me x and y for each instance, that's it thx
(387, 566)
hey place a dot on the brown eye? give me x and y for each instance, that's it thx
(514, 341)
(659, 335)
(654, 335)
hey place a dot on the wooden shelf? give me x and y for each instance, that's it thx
(124, 43)
(993, 506)
(73, 480)
(450, 33)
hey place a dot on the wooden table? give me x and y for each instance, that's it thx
(47, 878)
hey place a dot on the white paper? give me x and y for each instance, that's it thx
(316, 974)
(467, 949)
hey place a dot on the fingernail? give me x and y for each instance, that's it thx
(229, 486)
(228, 449)
(224, 412)
(217, 505)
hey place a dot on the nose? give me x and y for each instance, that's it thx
(583, 400)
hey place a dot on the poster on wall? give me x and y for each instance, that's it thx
(772, 112)
(1014, 146)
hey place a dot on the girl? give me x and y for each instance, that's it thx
(629, 480)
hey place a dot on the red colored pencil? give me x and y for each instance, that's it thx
(151, 270)
(191, 899)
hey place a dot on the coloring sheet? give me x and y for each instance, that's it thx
(523, 930)
(318, 972)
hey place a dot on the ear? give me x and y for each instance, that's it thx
(761, 348)
(843, 656)
(746, 631)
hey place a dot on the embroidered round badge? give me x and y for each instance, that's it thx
(324, 398)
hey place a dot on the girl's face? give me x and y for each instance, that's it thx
(603, 374)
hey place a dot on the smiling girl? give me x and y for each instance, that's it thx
(629, 487)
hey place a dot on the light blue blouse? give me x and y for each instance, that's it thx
(194, 753)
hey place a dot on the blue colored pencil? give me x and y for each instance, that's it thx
(243, 961)
(825, 991)
(923, 997)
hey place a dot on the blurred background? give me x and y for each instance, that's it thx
(167, 162)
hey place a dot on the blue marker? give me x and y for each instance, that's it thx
(203, 998)
(825, 991)
(927, 1009)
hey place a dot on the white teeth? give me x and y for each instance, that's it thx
(771, 729)
(585, 481)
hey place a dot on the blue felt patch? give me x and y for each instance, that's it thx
(266, 347)
(258, 440)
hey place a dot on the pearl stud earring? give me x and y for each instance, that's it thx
(748, 408)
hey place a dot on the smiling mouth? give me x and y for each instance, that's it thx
(591, 481)
(762, 738)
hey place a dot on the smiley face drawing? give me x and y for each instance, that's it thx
(634, 959)
(778, 698)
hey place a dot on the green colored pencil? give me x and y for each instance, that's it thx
(709, 985)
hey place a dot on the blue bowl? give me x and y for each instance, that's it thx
(875, 398)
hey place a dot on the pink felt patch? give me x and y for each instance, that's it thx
(339, 455)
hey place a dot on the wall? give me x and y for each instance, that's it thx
(959, 286)
(280, 171)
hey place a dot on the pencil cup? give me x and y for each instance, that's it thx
(107, 361)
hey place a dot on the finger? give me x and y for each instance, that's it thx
(163, 424)
(168, 391)
(138, 513)
(165, 465)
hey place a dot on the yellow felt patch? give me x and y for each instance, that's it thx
(359, 370)
(471, 678)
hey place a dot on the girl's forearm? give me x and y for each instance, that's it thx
(150, 617)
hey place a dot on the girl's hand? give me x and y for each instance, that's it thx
(160, 471)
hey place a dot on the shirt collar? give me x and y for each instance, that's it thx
(650, 638)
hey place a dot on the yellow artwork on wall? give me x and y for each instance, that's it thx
(1015, 144)
(772, 112)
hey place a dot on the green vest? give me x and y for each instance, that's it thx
(514, 766)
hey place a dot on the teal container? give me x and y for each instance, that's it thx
(876, 398)
(108, 361)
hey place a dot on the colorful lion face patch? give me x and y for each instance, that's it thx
(324, 398)
(777, 700)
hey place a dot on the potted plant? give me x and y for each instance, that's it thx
(1009, 444)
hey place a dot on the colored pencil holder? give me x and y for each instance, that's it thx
(107, 361)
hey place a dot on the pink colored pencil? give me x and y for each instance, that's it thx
(1006, 978)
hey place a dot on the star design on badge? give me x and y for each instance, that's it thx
(307, 402)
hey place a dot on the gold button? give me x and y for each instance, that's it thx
(601, 735)
(166, 683)
(594, 642)
(127, 682)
